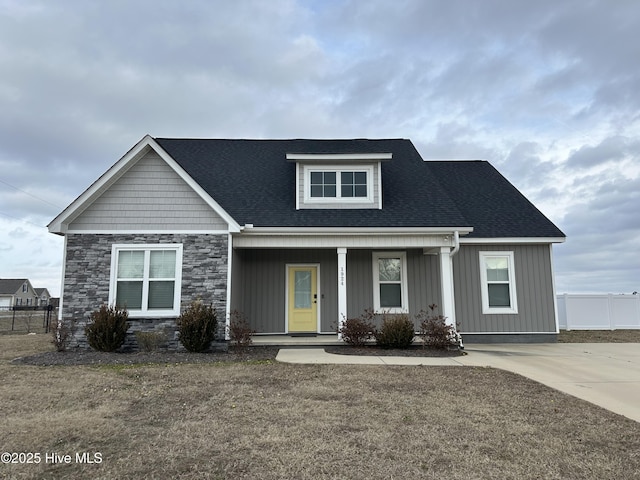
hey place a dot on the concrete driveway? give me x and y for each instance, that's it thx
(606, 374)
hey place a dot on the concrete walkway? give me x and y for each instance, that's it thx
(606, 374)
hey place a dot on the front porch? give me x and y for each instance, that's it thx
(274, 279)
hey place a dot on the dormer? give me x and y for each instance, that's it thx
(344, 180)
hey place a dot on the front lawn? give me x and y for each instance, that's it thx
(599, 336)
(268, 420)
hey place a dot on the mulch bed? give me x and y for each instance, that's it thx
(92, 357)
(254, 353)
(413, 351)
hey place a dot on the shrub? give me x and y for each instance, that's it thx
(108, 328)
(435, 332)
(150, 341)
(197, 326)
(397, 331)
(240, 332)
(357, 331)
(62, 333)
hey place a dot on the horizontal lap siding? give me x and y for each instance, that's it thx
(534, 288)
(149, 196)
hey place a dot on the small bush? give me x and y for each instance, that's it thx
(151, 341)
(108, 328)
(240, 332)
(357, 331)
(435, 332)
(197, 326)
(62, 333)
(397, 331)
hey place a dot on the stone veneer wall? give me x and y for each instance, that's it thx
(87, 276)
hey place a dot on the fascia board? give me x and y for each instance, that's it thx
(353, 231)
(505, 240)
(324, 157)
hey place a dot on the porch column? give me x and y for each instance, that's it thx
(448, 308)
(342, 287)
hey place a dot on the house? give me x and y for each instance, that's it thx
(299, 235)
(44, 297)
(17, 292)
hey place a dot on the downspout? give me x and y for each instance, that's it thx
(456, 243)
(456, 248)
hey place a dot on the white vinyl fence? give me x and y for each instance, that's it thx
(598, 312)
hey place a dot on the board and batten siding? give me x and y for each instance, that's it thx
(259, 284)
(423, 281)
(149, 196)
(534, 288)
(260, 281)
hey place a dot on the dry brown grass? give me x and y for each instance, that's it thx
(274, 421)
(599, 336)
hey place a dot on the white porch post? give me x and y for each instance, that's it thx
(448, 308)
(342, 287)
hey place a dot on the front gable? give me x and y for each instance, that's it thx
(145, 191)
(148, 196)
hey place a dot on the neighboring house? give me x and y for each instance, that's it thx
(17, 292)
(299, 235)
(44, 297)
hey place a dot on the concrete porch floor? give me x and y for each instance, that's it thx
(288, 341)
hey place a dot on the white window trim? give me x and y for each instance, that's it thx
(403, 285)
(513, 297)
(338, 169)
(143, 313)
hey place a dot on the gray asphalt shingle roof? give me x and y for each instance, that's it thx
(254, 183)
(11, 285)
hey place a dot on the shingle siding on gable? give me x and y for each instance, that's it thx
(150, 196)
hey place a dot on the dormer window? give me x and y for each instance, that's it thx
(338, 184)
(339, 180)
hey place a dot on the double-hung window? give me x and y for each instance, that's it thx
(498, 282)
(146, 279)
(390, 282)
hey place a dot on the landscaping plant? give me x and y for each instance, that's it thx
(107, 329)
(434, 330)
(197, 326)
(358, 331)
(397, 331)
(62, 334)
(151, 341)
(240, 332)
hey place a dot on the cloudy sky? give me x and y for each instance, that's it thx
(547, 91)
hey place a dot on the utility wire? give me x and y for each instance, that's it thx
(21, 219)
(31, 195)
